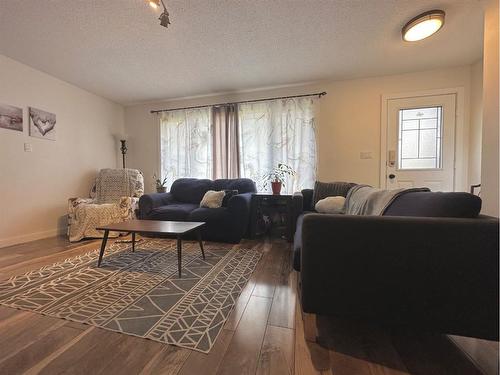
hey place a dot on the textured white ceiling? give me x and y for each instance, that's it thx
(117, 49)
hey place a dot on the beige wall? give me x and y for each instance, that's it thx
(35, 186)
(348, 123)
(476, 123)
(490, 139)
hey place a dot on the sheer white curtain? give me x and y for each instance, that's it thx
(185, 145)
(279, 131)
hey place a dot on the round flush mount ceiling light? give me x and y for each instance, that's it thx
(423, 25)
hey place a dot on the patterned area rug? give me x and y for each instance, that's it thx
(139, 293)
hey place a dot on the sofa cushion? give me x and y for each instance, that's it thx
(173, 212)
(191, 190)
(209, 214)
(435, 204)
(329, 189)
(243, 185)
(330, 205)
(212, 199)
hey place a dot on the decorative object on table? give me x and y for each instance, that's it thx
(277, 177)
(113, 199)
(42, 124)
(212, 199)
(273, 215)
(139, 293)
(330, 205)
(11, 117)
(161, 185)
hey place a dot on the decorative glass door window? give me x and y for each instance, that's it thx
(420, 138)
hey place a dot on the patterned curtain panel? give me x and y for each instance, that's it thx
(279, 131)
(185, 144)
(226, 161)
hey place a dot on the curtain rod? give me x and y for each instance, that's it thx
(318, 94)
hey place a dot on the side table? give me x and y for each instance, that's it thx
(277, 207)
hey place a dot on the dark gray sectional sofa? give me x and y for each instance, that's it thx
(182, 203)
(431, 262)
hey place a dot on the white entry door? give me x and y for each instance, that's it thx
(420, 142)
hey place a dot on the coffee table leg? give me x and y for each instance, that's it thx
(179, 253)
(103, 247)
(198, 233)
(133, 241)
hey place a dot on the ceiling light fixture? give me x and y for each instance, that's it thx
(423, 25)
(155, 4)
(164, 17)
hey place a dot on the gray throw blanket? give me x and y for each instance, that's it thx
(367, 200)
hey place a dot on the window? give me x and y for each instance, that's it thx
(419, 141)
(278, 131)
(185, 145)
(269, 132)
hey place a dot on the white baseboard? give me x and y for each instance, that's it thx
(30, 237)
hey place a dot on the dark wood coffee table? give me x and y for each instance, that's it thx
(177, 228)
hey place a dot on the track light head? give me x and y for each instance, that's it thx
(164, 18)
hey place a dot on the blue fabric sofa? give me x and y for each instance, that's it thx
(182, 203)
(430, 262)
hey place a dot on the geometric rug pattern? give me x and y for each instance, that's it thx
(140, 293)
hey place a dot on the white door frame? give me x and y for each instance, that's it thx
(461, 146)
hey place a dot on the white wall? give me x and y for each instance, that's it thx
(476, 123)
(349, 121)
(490, 139)
(35, 186)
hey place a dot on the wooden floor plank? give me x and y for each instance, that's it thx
(168, 361)
(243, 353)
(310, 359)
(208, 364)
(268, 275)
(277, 353)
(285, 296)
(33, 354)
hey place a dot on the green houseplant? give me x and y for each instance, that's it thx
(277, 177)
(161, 185)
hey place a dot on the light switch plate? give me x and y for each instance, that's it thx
(27, 147)
(365, 155)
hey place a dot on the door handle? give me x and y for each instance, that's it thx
(392, 176)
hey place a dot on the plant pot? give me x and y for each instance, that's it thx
(162, 189)
(276, 186)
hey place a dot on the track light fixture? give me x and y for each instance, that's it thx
(164, 17)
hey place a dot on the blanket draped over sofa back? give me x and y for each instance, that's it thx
(112, 184)
(367, 200)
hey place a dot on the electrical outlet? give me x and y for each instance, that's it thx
(27, 147)
(365, 155)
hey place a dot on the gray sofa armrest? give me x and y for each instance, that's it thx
(148, 202)
(439, 272)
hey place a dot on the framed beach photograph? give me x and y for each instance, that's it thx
(42, 124)
(11, 117)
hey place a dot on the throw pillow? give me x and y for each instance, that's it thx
(330, 189)
(330, 205)
(228, 194)
(212, 199)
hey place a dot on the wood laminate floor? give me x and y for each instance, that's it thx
(262, 336)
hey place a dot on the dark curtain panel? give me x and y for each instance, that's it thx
(225, 142)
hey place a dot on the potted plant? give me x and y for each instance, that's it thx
(160, 184)
(277, 177)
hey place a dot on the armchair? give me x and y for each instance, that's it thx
(113, 199)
